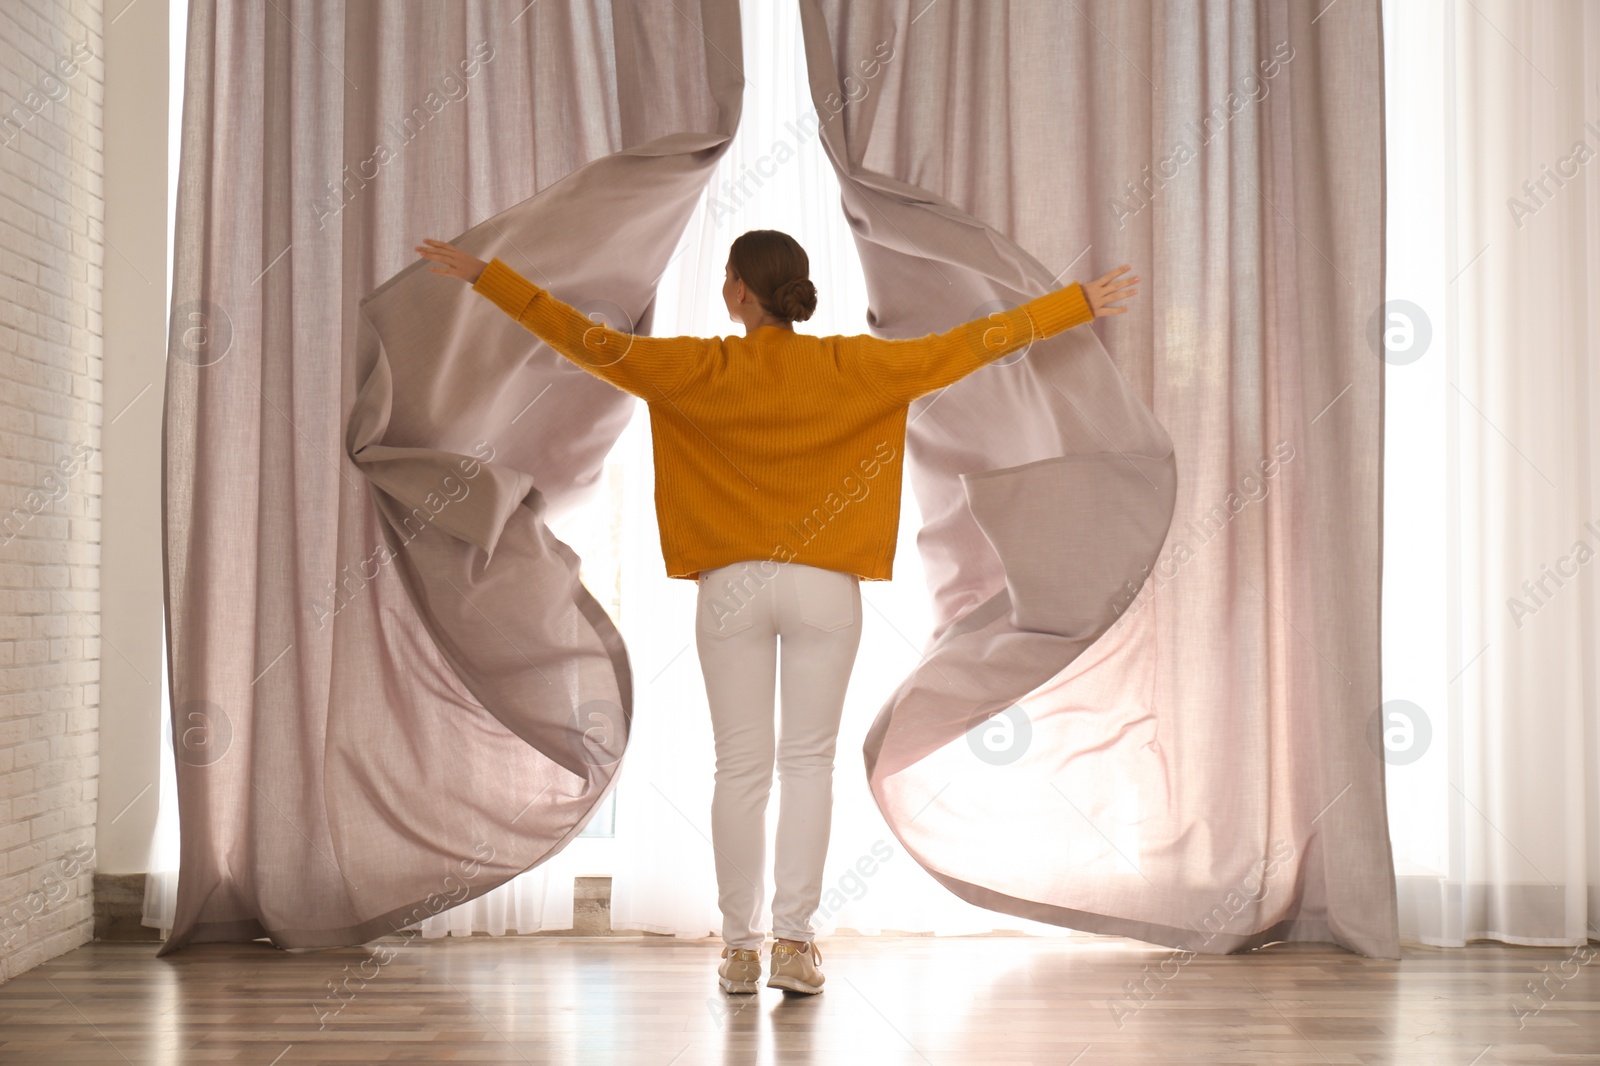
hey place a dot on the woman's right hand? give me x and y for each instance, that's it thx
(1104, 291)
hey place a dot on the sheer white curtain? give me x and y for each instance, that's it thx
(775, 176)
(1491, 523)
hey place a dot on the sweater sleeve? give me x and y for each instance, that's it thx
(650, 368)
(902, 370)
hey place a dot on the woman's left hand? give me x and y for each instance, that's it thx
(453, 262)
(1104, 292)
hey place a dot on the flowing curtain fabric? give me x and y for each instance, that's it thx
(1202, 774)
(1492, 529)
(390, 700)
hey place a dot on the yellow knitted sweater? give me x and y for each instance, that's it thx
(778, 445)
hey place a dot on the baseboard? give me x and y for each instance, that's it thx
(119, 909)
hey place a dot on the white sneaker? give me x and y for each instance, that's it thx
(796, 969)
(740, 970)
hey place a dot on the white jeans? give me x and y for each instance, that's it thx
(742, 610)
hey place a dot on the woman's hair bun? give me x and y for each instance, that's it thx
(795, 300)
(774, 268)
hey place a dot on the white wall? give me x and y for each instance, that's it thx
(52, 260)
(135, 369)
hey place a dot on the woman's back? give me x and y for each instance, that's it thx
(778, 445)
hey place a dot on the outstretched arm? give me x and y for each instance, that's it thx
(648, 367)
(906, 369)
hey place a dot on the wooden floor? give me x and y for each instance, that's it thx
(931, 1001)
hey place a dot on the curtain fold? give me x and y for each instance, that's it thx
(1184, 760)
(389, 701)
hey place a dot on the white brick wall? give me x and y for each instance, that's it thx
(51, 261)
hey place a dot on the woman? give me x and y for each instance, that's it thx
(778, 469)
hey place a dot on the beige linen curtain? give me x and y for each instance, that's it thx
(391, 691)
(1113, 728)
(390, 700)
